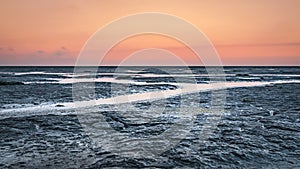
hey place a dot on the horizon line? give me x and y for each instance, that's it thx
(148, 65)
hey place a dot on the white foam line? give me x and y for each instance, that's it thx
(72, 78)
(103, 79)
(284, 75)
(27, 73)
(155, 95)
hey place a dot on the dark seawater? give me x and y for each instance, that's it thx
(258, 128)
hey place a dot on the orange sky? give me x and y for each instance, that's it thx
(244, 32)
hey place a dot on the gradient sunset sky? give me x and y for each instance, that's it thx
(244, 32)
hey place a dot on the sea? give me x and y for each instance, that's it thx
(150, 117)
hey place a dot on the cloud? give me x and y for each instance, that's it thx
(40, 52)
(58, 53)
(62, 51)
(261, 44)
(11, 49)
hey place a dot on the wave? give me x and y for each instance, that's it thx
(183, 89)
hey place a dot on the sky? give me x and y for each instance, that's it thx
(244, 32)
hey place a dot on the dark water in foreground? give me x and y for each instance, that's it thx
(258, 128)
